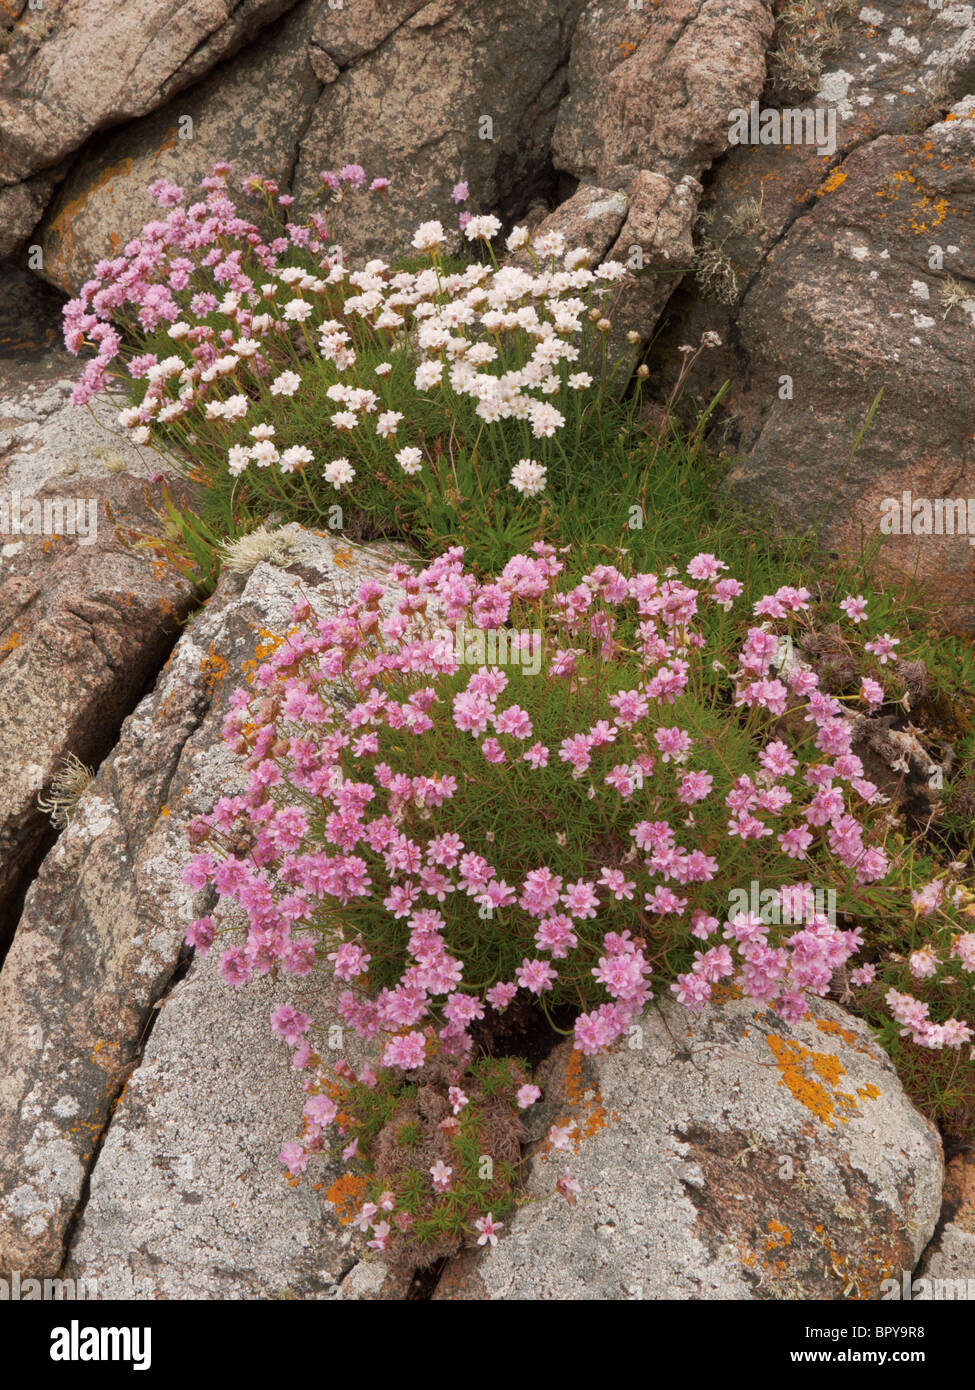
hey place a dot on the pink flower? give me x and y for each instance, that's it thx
(487, 1226)
(407, 1051)
(440, 1173)
(882, 647)
(535, 975)
(567, 1186)
(527, 1095)
(855, 608)
(294, 1158)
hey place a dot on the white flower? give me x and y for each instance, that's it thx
(262, 431)
(264, 453)
(345, 420)
(237, 459)
(141, 435)
(578, 381)
(545, 419)
(339, 472)
(384, 369)
(387, 422)
(610, 270)
(428, 235)
(410, 459)
(575, 258)
(294, 457)
(286, 384)
(235, 407)
(550, 244)
(528, 477)
(128, 417)
(518, 238)
(428, 374)
(178, 330)
(486, 226)
(247, 347)
(297, 310)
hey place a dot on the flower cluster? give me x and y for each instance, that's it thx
(274, 357)
(354, 845)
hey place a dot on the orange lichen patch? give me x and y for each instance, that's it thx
(10, 643)
(833, 182)
(868, 1092)
(574, 1089)
(213, 668)
(346, 1195)
(800, 1068)
(595, 1122)
(63, 225)
(106, 1062)
(269, 643)
(778, 1236)
(342, 558)
(836, 1030)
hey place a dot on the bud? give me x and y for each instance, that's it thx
(633, 336)
(643, 371)
(603, 326)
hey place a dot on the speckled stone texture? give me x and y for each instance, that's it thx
(101, 935)
(728, 1156)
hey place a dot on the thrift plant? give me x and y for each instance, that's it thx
(465, 796)
(424, 401)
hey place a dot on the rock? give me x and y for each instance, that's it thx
(43, 437)
(132, 59)
(86, 618)
(403, 89)
(101, 937)
(246, 112)
(592, 217)
(21, 208)
(188, 1198)
(651, 88)
(951, 1254)
(449, 94)
(848, 303)
(812, 267)
(657, 243)
(30, 335)
(731, 1156)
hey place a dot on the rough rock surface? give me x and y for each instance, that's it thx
(101, 934)
(651, 87)
(85, 621)
(402, 89)
(249, 110)
(951, 1254)
(825, 273)
(188, 1199)
(416, 109)
(74, 67)
(866, 245)
(731, 1156)
(593, 217)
